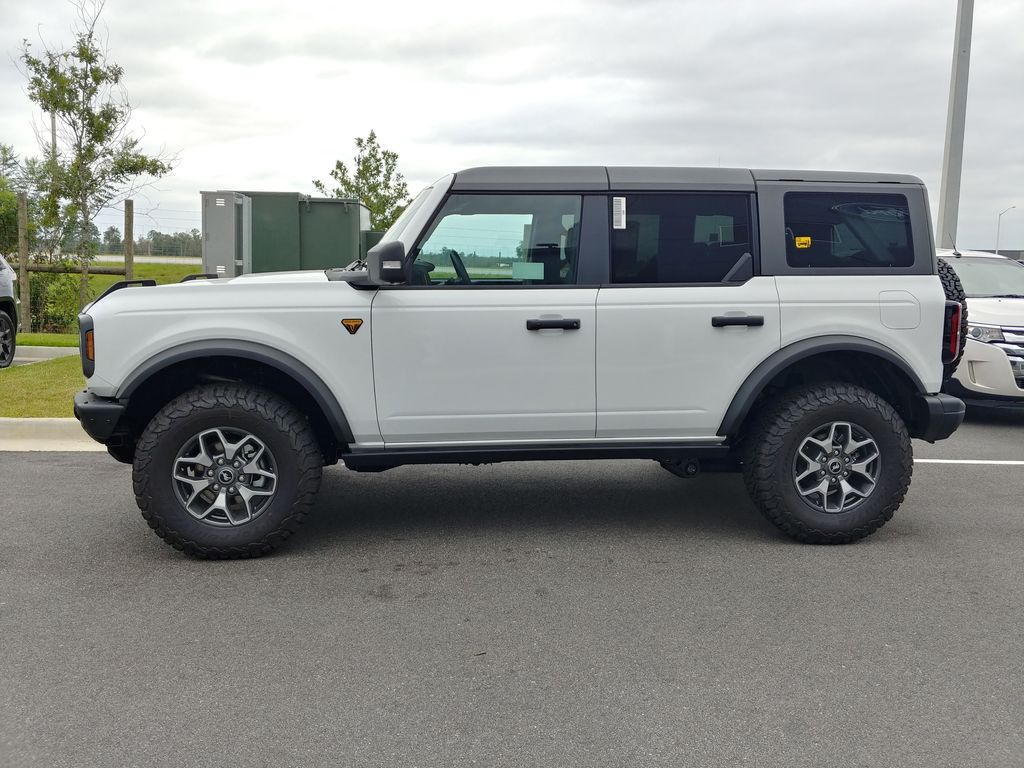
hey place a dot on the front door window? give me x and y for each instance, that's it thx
(501, 240)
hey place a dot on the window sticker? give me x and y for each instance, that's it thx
(618, 213)
(802, 242)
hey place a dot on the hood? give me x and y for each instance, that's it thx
(304, 276)
(271, 286)
(1006, 312)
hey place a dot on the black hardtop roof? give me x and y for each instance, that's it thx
(584, 178)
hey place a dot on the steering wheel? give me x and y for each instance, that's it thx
(460, 268)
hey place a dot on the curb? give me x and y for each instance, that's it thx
(45, 435)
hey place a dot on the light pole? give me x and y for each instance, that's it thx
(999, 220)
(956, 117)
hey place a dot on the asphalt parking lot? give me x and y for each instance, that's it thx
(601, 613)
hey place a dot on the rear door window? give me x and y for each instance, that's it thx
(680, 238)
(842, 229)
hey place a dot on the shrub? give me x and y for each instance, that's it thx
(54, 302)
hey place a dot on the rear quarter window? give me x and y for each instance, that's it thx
(842, 229)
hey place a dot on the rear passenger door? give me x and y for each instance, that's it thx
(683, 319)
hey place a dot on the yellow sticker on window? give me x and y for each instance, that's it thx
(802, 242)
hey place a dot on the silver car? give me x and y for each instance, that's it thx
(8, 313)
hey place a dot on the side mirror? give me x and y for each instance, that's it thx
(385, 263)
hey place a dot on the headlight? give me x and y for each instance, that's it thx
(984, 332)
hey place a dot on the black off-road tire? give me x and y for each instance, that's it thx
(770, 454)
(954, 291)
(8, 339)
(276, 422)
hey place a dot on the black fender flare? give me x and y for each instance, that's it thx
(314, 386)
(783, 358)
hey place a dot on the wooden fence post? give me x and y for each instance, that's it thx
(128, 244)
(23, 287)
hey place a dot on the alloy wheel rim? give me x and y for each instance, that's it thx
(6, 338)
(224, 477)
(836, 467)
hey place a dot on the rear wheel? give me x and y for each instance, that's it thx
(828, 463)
(8, 339)
(226, 470)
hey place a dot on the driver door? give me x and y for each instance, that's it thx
(490, 341)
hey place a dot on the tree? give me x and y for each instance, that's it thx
(10, 168)
(88, 233)
(8, 218)
(97, 161)
(112, 240)
(15, 177)
(375, 181)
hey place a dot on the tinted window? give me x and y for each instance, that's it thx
(680, 238)
(840, 229)
(501, 240)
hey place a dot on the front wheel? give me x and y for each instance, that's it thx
(828, 463)
(8, 339)
(226, 470)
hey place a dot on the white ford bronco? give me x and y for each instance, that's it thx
(791, 325)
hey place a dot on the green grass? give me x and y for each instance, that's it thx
(41, 389)
(48, 388)
(162, 273)
(47, 339)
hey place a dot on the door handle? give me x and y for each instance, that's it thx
(721, 321)
(565, 325)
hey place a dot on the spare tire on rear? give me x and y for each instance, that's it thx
(954, 291)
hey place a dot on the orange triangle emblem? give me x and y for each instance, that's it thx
(352, 325)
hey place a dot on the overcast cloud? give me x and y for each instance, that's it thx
(266, 95)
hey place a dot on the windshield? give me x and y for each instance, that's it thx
(395, 230)
(989, 277)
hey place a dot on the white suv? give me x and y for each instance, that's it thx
(992, 369)
(789, 324)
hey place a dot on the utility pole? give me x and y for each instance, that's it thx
(128, 244)
(23, 287)
(956, 118)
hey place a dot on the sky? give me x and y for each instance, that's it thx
(267, 95)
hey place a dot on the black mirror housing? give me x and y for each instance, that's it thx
(385, 262)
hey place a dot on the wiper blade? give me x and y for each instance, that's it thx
(1006, 296)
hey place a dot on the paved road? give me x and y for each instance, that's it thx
(538, 614)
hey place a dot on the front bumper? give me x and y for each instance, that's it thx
(986, 373)
(938, 416)
(100, 416)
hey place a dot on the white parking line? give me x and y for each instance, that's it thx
(970, 461)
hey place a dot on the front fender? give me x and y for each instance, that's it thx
(298, 371)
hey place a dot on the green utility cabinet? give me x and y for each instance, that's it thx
(281, 231)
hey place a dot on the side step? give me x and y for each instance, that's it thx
(379, 460)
